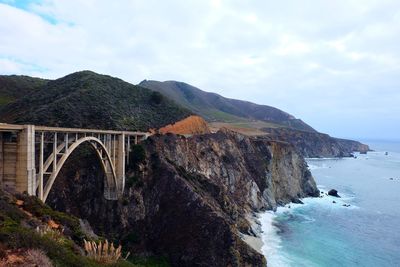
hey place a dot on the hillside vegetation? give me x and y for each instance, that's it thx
(33, 234)
(90, 100)
(214, 107)
(13, 87)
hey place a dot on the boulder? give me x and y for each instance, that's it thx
(333, 192)
(297, 201)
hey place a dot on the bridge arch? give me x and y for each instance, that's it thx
(30, 164)
(111, 183)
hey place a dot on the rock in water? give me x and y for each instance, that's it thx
(333, 192)
(297, 201)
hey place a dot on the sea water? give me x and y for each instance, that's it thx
(323, 233)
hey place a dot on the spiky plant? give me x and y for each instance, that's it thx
(103, 252)
(56, 235)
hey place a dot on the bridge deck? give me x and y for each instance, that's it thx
(16, 127)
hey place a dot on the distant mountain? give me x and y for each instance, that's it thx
(314, 144)
(13, 87)
(214, 107)
(90, 100)
(252, 119)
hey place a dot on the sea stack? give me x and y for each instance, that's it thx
(333, 192)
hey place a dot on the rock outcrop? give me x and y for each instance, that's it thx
(189, 198)
(333, 192)
(316, 145)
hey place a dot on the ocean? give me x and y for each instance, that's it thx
(322, 233)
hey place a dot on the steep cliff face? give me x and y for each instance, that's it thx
(255, 173)
(189, 198)
(316, 145)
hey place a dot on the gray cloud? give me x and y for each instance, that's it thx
(335, 64)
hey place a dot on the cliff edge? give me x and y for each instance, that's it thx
(188, 198)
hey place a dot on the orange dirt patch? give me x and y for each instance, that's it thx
(52, 224)
(191, 125)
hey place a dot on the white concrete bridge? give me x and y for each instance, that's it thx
(31, 157)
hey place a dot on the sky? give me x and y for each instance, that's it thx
(334, 64)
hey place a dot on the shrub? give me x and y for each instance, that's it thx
(156, 98)
(41, 210)
(37, 258)
(103, 252)
(131, 181)
(56, 235)
(131, 238)
(137, 155)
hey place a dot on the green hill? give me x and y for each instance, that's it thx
(13, 87)
(90, 100)
(214, 107)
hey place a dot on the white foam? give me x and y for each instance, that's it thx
(271, 241)
(272, 248)
(317, 166)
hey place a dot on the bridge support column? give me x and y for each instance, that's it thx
(120, 163)
(25, 169)
(1, 160)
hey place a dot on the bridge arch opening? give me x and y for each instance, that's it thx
(110, 179)
(79, 187)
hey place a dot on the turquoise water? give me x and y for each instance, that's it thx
(322, 233)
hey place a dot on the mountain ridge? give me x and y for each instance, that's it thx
(214, 107)
(253, 119)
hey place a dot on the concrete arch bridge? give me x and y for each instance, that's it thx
(31, 157)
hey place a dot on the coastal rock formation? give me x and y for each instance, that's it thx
(189, 197)
(333, 192)
(316, 145)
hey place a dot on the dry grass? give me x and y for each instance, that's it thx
(248, 128)
(103, 252)
(54, 234)
(27, 258)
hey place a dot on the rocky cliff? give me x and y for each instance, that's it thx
(316, 145)
(188, 198)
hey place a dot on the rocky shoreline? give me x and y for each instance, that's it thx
(317, 145)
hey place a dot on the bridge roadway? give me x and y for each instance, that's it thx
(31, 157)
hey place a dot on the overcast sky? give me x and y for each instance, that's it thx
(334, 64)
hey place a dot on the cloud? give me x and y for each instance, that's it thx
(324, 61)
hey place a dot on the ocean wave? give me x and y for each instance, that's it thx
(327, 201)
(271, 248)
(272, 229)
(312, 167)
